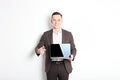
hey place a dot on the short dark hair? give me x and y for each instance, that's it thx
(57, 13)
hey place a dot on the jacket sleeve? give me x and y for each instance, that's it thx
(73, 48)
(40, 44)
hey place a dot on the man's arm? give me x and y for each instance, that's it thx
(73, 49)
(40, 49)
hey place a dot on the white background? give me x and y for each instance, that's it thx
(95, 25)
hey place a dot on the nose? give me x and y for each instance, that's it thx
(56, 22)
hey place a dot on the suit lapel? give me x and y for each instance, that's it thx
(63, 36)
(50, 36)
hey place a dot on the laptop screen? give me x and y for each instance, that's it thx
(60, 50)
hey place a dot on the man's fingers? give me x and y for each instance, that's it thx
(70, 59)
(41, 50)
(44, 48)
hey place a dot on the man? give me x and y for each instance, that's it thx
(60, 68)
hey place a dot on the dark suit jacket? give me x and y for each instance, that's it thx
(46, 40)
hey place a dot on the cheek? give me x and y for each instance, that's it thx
(60, 23)
(53, 22)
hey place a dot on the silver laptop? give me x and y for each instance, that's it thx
(60, 51)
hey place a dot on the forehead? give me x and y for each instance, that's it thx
(56, 17)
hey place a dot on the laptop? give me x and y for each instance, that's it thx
(60, 51)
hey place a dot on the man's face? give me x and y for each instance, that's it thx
(56, 21)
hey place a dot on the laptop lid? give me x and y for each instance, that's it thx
(60, 51)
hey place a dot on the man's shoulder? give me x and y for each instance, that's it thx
(66, 31)
(51, 30)
(48, 31)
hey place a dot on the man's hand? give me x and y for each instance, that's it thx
(70, 58)
(41, 50)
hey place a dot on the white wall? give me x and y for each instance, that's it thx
(95, 25)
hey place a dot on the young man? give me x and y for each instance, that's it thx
(60, 68)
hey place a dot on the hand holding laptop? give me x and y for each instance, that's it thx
(41, 50)
(70, 58)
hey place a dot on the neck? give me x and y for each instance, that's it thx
(57, 30)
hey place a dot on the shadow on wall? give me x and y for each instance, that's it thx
(42, 69)
(42, 74)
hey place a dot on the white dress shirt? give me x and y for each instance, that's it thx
(57, 37)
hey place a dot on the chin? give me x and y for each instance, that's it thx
(56, 27)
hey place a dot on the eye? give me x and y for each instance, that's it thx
(53, 20)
